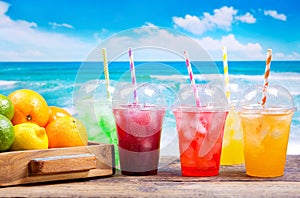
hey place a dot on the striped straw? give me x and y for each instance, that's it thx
(189, 67)
(266, 82)
(133, 78)
(226, 76)
(106, 73)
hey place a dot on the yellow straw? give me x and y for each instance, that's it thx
(106, 74)
(226, 75)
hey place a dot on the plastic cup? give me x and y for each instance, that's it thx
(94, 109)
(200, 130)
(232, 146)
(139, 128)
(266, 130)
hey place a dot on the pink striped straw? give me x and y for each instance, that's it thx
(189, 67)
(266, 82)
(133, 78)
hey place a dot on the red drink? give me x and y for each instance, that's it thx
(200, 140)
(139, 132)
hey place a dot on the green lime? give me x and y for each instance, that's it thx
(6, 107)
(7, 133)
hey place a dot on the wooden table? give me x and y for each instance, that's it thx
(231, 182)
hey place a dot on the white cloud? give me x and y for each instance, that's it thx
(236, 49)
(222, 18)
(275, 15)
(56, 25)
(3, 7)
(247, 18)
(191, 23)
(22, 40)
(283, 56)
(151, 42)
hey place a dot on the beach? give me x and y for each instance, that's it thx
(58, 82)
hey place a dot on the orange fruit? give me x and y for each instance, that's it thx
(29, 106)
(66, 131)
(56, 112)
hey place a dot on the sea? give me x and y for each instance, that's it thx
(59, 83)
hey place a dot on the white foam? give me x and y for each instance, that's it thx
(290, 76)
(186, 77)
(7, 83)
(171, 77)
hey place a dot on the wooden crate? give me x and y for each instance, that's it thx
(21, 167)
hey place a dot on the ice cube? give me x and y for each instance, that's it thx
(201, 128)
(141, 117)
(263, 131)
(137, 130)
(216, 128)
(187, 133)
(277, 134)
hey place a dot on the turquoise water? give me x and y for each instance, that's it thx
(58, 81)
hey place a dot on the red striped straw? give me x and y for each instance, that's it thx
(189, 67)
(133, 78)
(266, 82)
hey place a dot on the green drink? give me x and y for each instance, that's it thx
(94, 110)
(108, 127)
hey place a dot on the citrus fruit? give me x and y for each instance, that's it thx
(6, 107)
(29, 106)
(56, 112)
(7, 134)
(66, 131)
(29, 136)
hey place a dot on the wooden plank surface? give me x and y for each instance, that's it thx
(232, 182)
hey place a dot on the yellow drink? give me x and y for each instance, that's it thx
(232, 147)
(266, 137)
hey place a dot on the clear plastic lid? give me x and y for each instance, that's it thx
(211, 98)
(95, 90)
(148, 95)
(277, 99)
(235, 88)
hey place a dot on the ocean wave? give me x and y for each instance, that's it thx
(186, 77)
(7, 83)
(290, 76)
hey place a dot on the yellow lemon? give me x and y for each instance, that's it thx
(29, 136)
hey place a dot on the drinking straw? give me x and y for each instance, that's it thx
(133, 78)
(226, 75)
(106, 73)
(267, 73)
(189, 67)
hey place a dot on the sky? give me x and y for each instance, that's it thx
(68, 30)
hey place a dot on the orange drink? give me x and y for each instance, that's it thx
(266, 128)
(266, 136)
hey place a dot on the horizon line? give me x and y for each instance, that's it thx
(61, 61)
